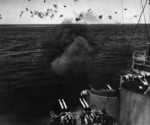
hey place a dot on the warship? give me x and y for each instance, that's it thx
(135, 86)
(129, 105)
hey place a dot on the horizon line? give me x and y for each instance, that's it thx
(80, 24)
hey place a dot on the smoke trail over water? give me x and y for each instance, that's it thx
(72, 49)
(76, 54)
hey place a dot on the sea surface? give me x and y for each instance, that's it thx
(35, 73)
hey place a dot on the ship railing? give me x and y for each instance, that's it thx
(140, 59)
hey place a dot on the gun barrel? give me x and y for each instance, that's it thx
(109, 86)
(82, 103)
(85, 103)
(61, 105)
(64, 104)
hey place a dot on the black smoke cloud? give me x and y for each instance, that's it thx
(76, 54)
(0, 16)
(39, 14)
(110, 17)
(72, 46)
(50, 12)
(75, 49)
(21, 13)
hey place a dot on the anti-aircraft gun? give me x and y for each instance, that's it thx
(90, 116)
(65, 117)
(98, 99)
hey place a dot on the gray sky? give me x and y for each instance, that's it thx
(14, 11)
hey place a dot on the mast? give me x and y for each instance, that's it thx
(122, 13)
(148, 35)
(141, 59)
(141, 7)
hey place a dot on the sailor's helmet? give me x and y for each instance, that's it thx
(84, 92)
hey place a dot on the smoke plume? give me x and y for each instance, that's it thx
(75, 55)
(69, 49)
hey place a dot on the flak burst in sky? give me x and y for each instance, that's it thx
(72, 11)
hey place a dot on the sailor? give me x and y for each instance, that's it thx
(52, 117)
(88, 119)
(99, 117)
(129, 84)
(104, 116)
(124, 78)
(93, 116)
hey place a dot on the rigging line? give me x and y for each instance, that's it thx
(122, 14)
(145, 23)
(137, 24)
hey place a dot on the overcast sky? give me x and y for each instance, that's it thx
(70, 11)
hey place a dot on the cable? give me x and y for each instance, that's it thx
(122, 14)
(137, 24)
(145, 22)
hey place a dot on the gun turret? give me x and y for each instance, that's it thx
(90, 116)
(65, 117)
(84, 104)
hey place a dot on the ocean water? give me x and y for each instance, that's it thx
(41, 63)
